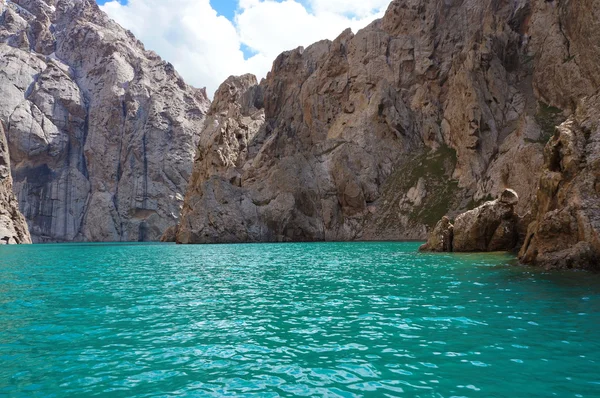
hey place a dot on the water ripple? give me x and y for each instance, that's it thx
(332, 320)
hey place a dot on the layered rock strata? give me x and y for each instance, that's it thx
(431, 110)
(102, 133)
(13, 228)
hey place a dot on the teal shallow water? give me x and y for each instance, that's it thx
(339, 319)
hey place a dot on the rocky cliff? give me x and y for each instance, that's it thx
(493, 226)
(435, 108)
(13, 228)
(566, 231)
(101, 132)
(563, 230)
(233, 121)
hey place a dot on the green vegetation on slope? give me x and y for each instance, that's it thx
(435, 168)
(548, 117)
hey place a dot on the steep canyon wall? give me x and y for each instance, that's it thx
(101, 132)
(429, 111)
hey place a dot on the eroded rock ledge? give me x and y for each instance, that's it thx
(493, 226)
(565, 230)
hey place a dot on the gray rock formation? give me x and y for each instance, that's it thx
(432, 110)
(170, 235)
(440, 238)
(101, 133)
(493, 226)
(234, 119)
(13, 228)
(566, 231)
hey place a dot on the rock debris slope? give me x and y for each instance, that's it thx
(101, 133)
(13, 228)
(432, 110)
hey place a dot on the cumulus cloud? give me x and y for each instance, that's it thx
(206, 48)
(356, 8)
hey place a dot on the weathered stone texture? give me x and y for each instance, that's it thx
(13, 228)
(431, 110)
(566, 230)
(493, 226)
(102, 133)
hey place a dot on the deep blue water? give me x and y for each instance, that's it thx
(335, 320)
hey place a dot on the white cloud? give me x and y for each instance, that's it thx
(358, 8)
(206, 48)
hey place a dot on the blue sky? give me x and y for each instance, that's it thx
(223, 7)
(209, 40)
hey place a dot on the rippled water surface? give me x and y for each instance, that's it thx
(336, 320)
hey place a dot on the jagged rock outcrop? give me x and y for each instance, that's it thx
(232, 122)
(440, 238)
(493, 226)
(170, 235)
(13, 228)
(566, 231)
(102, 133)
(429, 111)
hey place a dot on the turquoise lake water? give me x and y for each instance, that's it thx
(334, 320)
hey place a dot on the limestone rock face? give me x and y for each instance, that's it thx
(13, 228)
(170, 235)
(566, 35)
(493, 226)
(490, 227)
(234, 119)
(102, 133)
(566, 230)
(440, 239)
(430, 111)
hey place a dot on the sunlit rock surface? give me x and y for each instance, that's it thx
(101, 132)
(431, 111)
